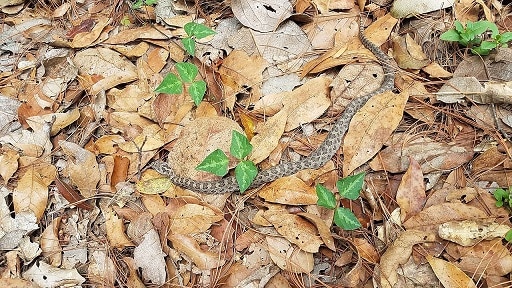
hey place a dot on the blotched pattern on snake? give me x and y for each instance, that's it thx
(315, 160)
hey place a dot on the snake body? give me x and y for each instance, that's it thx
(315, 160)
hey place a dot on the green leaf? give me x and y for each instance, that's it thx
(325, 197)
(137, 4)
(215, 163)
(481, 26)
(240, 146)
(150, 2)
(197, 30)
(197, 90)
(500, 194)
(480, 51)
(458, 26)
(125, 21)
(190, 45)
(508, 235)
(187, 71)
(349, 187)
(488, 45)
(450, 35)
(345, 219)
(245, 172)
(506, 37)
(170, 85)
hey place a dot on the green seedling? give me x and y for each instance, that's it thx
(217, 161)
(187, 72)
(348, 188)
(475, 36)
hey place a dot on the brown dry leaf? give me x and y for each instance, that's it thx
(17, 283)
(151, 138)
(85, 39)
(207, 134)
(410, 195)
(250, 13)
(71, 195)
(203, 259)
(470, 232)
(193, 218)
(398, 253)
(114, 226)
(436, 71)
(449, 275)
(9, 159)
(366, 250)
(371, 127)
(294, 228)
(323, 229)
(132, 51)
(107, 64)
(82, 168)
(62, 120)
(50, 244)
(268, 136)
(101, 269)
(432, 155)
(484, 258)
(31, 194)
(431, 217)
(34, 144)
(240, 70)
(290, 191)
(408, 54)
(133, 280)
(289, 257)
(106, 144)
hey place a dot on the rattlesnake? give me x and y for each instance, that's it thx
(315, 160)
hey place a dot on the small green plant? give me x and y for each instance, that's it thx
(217, 161)
(349, 188)
(473, 36)
(504, 199)
(139, 3)
(187, 72)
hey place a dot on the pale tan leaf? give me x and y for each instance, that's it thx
(408, 53)
(82, 168)
(9, 159)
(104, 62)
(31, 194)
(366, 250)
(469, 232)
(296, 229)
(410, 195)
(151, 138)
(323, 229)
(431, 217)
(371, 127)
(101, 268)
(289, 190)
(115, 229)
(148, 255)
(288, 257)
(398, 253)
(450, 275)
(45, 275)
(203, 259)
(62, 120)
(193, 218)
(268, 136)
(50, 244)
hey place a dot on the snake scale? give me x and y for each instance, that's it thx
(315, 160)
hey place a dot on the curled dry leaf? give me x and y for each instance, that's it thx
(50, 243)
(9, 159)
(193, 218)
(371, 127)
(82, 168)
(205, 260)
(85, 39)
(288, 257)
(449, 274)
(408, 54)
(410, 195)
(296, 229)
(398, 253)
(46, 275)
(470, 232)
(431, 217)
(289, 190)
(62, 120)
(114, 226)
(323, 229)
(31, 194)
(108, 64)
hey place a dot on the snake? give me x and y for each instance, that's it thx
(315, 160)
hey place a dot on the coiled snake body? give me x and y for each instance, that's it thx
(315, 160)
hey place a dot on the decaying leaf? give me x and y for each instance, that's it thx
(410, 195)
(371, 127)
(288, 257)
(470, 232)
(85, 179)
